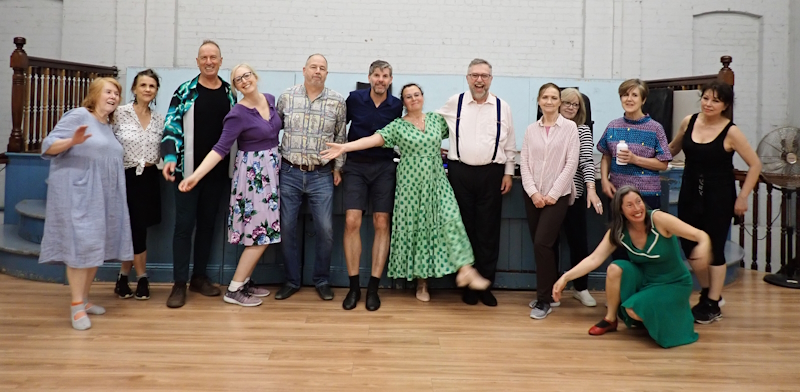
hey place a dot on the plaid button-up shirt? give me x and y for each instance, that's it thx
(308, 125)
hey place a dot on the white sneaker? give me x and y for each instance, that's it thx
(552, 304)
(585, 298)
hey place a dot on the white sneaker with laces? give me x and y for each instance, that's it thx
(585, 298)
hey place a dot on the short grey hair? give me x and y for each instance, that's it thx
(317, 54)
(380, 64)
(210, 42)
(477, 61)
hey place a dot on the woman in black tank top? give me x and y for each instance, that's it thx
(708, 198)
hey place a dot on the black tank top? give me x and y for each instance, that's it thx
(709, 160)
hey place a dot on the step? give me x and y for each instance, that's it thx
(31, 219)
(20, 258)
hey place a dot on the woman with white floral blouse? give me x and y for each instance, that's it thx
(138, 127)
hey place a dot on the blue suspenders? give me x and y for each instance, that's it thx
(458, 122)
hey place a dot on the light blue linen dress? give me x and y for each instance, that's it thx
(87, 221)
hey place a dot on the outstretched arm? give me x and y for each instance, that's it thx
(589, 264)
(335, 149)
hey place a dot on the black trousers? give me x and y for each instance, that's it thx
(199, 206)
(575, 230)
(477, 191)
(544, 224)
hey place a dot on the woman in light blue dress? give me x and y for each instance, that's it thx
(87, 214)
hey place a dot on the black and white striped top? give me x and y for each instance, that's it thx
(585, 172)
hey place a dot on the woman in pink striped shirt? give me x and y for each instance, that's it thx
(549, 161)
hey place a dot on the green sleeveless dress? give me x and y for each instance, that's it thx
(656, 285)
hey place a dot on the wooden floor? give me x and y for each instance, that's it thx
(305, 344)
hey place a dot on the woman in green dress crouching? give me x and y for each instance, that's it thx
(428, 236)
(653, 288)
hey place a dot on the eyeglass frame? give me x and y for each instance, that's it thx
(245, 76)
(571, 105)
(475, 76)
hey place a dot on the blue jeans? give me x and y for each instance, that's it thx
(317, 186)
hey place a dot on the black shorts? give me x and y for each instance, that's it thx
(369, 183)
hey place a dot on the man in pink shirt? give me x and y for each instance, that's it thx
(481, 163)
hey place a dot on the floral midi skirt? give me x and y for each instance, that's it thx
(254, 213)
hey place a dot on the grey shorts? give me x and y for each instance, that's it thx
(369, 183)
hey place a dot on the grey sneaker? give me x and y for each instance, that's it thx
(241, 297)
(254, 290)
(540, 310)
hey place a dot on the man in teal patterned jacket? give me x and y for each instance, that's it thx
(192, 127)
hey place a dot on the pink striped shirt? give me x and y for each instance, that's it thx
(549, 159)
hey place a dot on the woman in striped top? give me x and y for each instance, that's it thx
(549, 159)
(573, 108)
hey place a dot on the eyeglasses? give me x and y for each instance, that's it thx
(571, 105)
(479, 76)
(245, 76)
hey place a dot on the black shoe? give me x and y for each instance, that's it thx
(470, 297)
(325, 292)
(177, 297)
(122, 289)
(142, 288)
(706, 311)
(351, 300)
(202, 284)
(286, 291)
(373, 301)
(487, 298)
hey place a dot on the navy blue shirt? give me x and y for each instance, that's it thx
(365, 119)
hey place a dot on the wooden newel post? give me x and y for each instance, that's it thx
(726, 73)
(19, 63)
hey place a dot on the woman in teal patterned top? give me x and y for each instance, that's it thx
(428, 236)
(652, 289)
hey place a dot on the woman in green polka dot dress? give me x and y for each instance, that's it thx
(428, 236)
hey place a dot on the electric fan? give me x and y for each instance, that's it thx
(779, 152)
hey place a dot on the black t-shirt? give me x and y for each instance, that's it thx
(210, 109)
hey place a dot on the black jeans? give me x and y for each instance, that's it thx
(199, 205)
(544, 224)
(477, 191)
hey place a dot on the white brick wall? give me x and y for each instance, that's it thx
(39, 21)
(793, 104)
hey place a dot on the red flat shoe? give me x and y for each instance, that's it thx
(603, 327)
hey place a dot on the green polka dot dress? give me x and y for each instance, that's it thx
(428, 236)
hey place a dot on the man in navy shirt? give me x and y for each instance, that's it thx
(369, 175)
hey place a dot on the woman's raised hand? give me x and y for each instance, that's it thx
(80, 135)
(334, 151)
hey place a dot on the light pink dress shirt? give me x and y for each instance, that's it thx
(549, 159)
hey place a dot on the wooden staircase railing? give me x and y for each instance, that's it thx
(42, 91)
(789, 229)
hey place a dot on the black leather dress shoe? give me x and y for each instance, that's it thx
(470, 297)
(487, 298)
(325, 292)
(351, 300)
(373, 301)
(286, 291)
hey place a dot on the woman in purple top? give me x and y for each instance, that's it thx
(253, 219)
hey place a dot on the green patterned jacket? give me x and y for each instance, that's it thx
(175, 130)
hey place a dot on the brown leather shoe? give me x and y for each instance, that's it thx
(177, 297)
(203, 285)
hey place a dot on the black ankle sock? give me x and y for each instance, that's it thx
(373, 283)
(704, 292)
(354, 285)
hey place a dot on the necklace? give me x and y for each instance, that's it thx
(418, 122)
